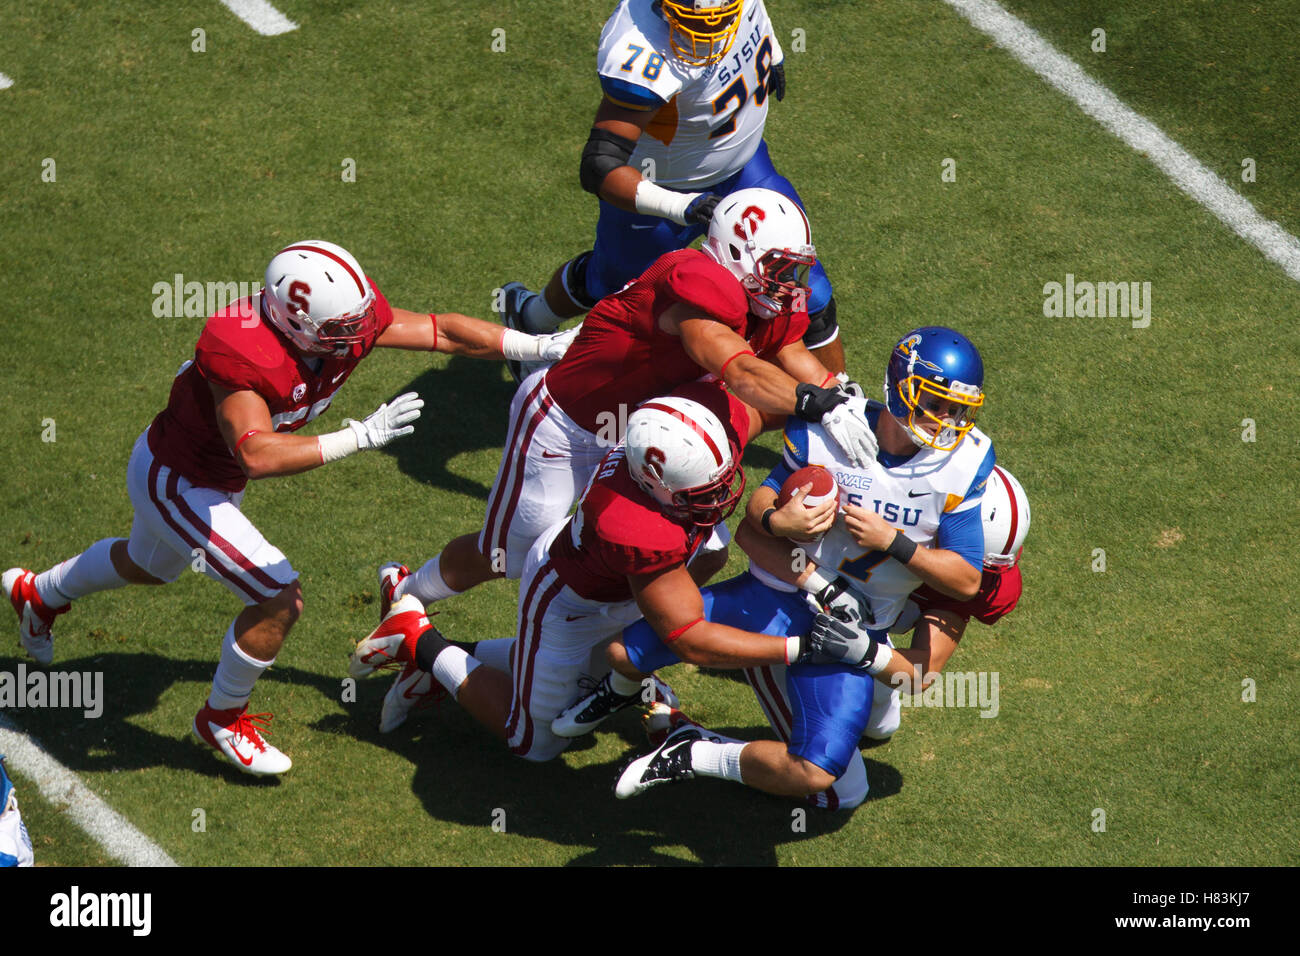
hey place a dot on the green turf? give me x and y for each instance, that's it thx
(1121, 689)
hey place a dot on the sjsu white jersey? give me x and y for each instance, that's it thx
(933, 497)
(709, 120)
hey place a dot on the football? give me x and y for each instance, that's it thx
(822, 481)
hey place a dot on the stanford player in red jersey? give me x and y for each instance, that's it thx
(262, 369)
(639, 544)
(734, 310)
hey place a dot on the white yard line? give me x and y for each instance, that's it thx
(5, 82)
(63, 788)
(1186, 172)
(261, 16)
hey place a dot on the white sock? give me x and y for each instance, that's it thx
(236, 674)
(451, 667)
(717, 759)
(538, 317)
(426, 584)
(495, 653)
(623, 685)
(88, 572)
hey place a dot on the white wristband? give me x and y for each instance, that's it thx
(792, 646)
(815, 581)
(884, 654)
(520, 346)
(654, 200)
(336, 445)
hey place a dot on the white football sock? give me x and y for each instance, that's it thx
(717, 759)
(496, 652)
(623, 685)
(88, 572)
(236, 674)
(426, 584)
(451, 667)
(538, 317)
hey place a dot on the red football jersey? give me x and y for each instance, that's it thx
(622, 357)
(239, 349)
(618, 529)
(998, 595)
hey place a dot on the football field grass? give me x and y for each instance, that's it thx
(1148, 680)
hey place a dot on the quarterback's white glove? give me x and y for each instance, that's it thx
(389, 421)
(848, 427)
(521, 347)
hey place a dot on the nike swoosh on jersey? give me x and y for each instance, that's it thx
(917, 494)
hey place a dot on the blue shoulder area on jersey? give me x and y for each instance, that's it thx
(629, 94)
(976, 489)
(963, 532)
(794, 442)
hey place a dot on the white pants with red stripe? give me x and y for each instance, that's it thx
(180, 526)
(562, 638)
(547, 463)
(850, 789)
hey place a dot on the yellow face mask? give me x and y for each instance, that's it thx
(928, 404)
(700, 37)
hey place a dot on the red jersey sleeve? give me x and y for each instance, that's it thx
(233, 355)
(635, 538)
(703, 284)
(998, 596)
(383, 311)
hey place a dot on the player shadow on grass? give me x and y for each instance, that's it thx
(132, 685)
(464, 777)
(479, 393)
(474, 397)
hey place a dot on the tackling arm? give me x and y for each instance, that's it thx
(261, 451)
(673, 606)
(454, 334)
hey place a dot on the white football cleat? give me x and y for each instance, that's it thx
(670, 762)
(35, 620)
(390, 576)
(589, 712)
(234, 734)
(387, 645)
(413, 689)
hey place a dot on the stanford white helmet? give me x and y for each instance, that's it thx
(317, 295)
(1005, 513)
(680, 455)
(764, 240)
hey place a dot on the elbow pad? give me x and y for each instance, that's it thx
(604, 153)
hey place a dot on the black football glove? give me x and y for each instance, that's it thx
(842, 601)
(834, 641)
(776, 81)
(701, 208)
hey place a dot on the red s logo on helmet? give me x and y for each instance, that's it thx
(654, 463)
(751, 217)
(298, 292)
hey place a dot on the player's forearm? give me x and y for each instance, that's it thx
(760, 384)
(619, 187)
(946, 571)
(270, 454)
(707, 644)
(779, 557)
(465, 335)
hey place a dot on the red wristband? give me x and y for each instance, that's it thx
(245, 437)
(434, 317)
(681, 630)
(723, 371)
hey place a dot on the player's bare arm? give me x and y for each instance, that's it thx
(261, 451)
(944, 570)
(616, 184)
(802, 366)
(721, 351)
(454, 334)
(671, 602)
(934, 639)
